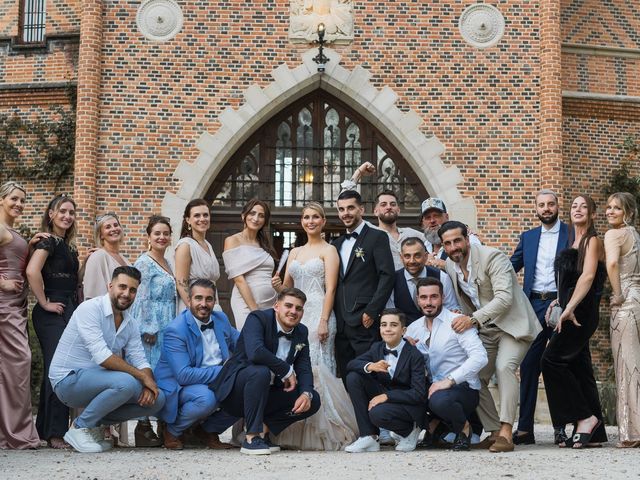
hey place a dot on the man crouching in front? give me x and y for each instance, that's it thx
(100, 365)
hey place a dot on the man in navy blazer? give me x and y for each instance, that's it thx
(536, 253)
(196, 344)
(388, 388)
(268, 380)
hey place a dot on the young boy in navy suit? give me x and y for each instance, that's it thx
(388, 388)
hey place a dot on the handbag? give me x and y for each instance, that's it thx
(554, 316)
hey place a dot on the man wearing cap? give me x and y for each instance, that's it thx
(434, 214)
(536, 252)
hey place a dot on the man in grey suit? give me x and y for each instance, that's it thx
(493, 302)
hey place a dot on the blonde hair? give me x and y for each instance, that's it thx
(316, 207)
(7, 187)
(100, 220)
(47, 224)
(629, 206)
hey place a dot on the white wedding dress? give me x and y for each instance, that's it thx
(334, 425)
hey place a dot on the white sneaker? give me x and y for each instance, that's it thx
(408, 443)
(386, 437)
(98, 434)
(82, 440)
(363, 444)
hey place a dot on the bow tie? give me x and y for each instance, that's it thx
(204, 326)
(386, 351)
(288, 336)
(351, 235)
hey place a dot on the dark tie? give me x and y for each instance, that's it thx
(351, 235)
(386, 352)
(204, 326)
(288, 336)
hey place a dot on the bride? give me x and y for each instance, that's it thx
(313, 268)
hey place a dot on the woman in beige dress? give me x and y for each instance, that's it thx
(100, 265)
(249, 261)
(195, 257)
(622, 248)
(17, 429)
(313, 268)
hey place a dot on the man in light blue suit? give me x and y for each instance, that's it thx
(536, 253)
(196, 345)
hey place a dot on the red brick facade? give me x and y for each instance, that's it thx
(509, 116)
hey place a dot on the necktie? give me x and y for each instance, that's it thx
(351, 235)
(386, 351)
(203, 327)
(288, 336)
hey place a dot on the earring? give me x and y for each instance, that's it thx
(149, 245)
(189, 226)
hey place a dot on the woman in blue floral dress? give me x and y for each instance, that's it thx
(155, 305)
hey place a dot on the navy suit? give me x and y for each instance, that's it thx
(402, 296)
(244, 384)
(183, 379)
(525, 256)
(406, 391)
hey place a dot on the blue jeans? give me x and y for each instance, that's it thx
(195, 403)
(107, 396)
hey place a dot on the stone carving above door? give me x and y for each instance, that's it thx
(337, 16)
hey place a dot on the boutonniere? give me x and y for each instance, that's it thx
(299, 347)
(360, 253)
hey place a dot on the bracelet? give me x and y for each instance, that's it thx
(616, 299)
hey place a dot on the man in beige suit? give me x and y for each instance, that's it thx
(493, 302)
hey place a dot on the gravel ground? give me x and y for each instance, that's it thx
(540, 461)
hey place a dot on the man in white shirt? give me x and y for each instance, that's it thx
(100, 365)
(493, 302)
(453, 362)
(196, 345)
(536, 252)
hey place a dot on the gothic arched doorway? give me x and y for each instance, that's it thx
(301, 154)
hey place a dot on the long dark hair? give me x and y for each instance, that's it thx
(590, 232)
(263, 234)
(196, 202)
(46, 225)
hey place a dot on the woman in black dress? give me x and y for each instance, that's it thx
(566, 363)
(53, 276)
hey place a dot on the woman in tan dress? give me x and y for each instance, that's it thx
(249, 260)
(195, 257)
(622, 247)
(17, 429)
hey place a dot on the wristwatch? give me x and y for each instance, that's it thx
(449, 377)
(474, 322)
(309, 395)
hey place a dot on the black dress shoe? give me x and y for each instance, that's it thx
(426, 442)
(462, 443)
(524, 439)
(559, 436)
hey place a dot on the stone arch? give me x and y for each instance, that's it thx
(352, 87)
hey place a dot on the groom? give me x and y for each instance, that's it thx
(364, 284)
(268, 380)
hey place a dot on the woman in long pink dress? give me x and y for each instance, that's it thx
(17, 430)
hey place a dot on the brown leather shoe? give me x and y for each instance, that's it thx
(484, 444)
(171, 442)
(211, 440)
(501, 445)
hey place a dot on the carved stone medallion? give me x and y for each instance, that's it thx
(481, 25)
(159, 20)
(336, 15)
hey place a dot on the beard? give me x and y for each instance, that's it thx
(435, 314)
(432, 236)
(388, 218)
(548, 220)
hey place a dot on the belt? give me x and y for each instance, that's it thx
(543, 295)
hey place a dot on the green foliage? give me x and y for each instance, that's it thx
(52, 143)
(622, 179)
(37, 365)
